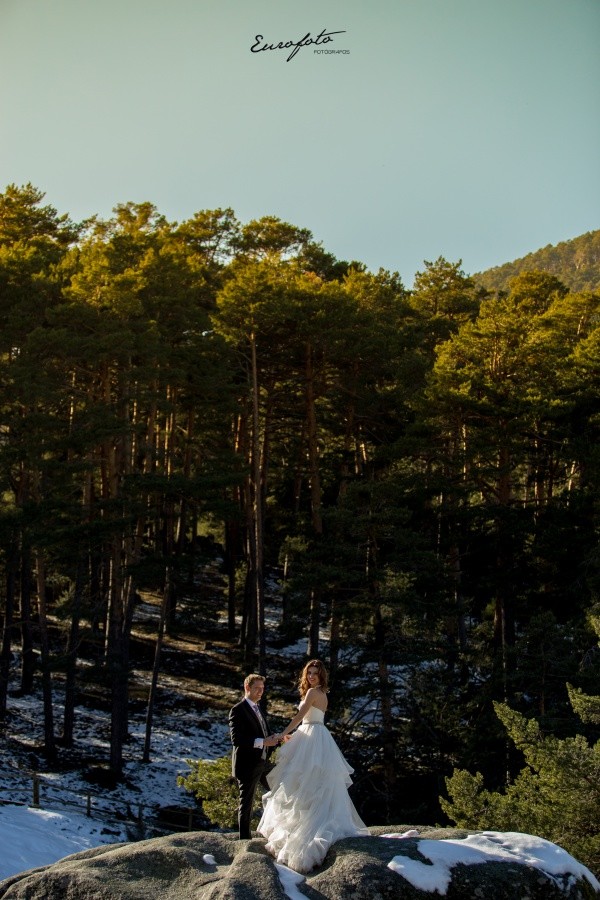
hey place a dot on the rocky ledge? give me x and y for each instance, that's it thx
(397, 862)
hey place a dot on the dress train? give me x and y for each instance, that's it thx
(308, 807)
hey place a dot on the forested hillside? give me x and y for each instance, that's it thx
(576, 263)
(420, 469)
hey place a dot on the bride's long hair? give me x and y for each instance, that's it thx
(303, 683)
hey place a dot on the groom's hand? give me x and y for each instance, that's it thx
(271, 741)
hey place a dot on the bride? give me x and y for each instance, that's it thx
(308, 806)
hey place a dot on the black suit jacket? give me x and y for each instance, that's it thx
(244, 727)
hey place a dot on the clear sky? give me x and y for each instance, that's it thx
(463, 128)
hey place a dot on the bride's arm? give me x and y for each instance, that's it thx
(304, 707)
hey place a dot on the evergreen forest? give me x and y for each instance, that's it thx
(576, 263)
(419, 470)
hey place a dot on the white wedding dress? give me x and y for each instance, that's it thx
(308, 806)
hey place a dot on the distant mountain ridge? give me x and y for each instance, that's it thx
(576, 263)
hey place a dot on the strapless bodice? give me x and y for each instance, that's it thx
(314, 716)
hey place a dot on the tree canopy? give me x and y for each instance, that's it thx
(418, 469)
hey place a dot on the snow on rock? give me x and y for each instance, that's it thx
(290, 881)
(488, 846)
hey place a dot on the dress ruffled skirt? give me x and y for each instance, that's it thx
(308, 807)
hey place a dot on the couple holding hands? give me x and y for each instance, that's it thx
(307, 806)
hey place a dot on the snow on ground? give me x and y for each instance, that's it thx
(36, 837)
(32, 837)
(178, 734)
(59, 826)
(183, 728)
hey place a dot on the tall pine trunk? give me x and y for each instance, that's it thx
(156, 665)
(116, 660)
(257, 514)
(27, 650)
(504, 634)
(7, 626)
(72, 649)
(49, 739)
(315, 496)
(387, 716)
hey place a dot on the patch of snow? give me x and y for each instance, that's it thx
(290, 881)
(510, 846)
(36, 837)
(405, 834)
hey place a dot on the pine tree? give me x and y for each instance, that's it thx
(557, 794)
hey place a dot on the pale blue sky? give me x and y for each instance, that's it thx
(463, 128)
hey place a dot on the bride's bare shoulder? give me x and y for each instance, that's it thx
(316, 697)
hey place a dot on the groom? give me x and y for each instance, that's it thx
(251, 747)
